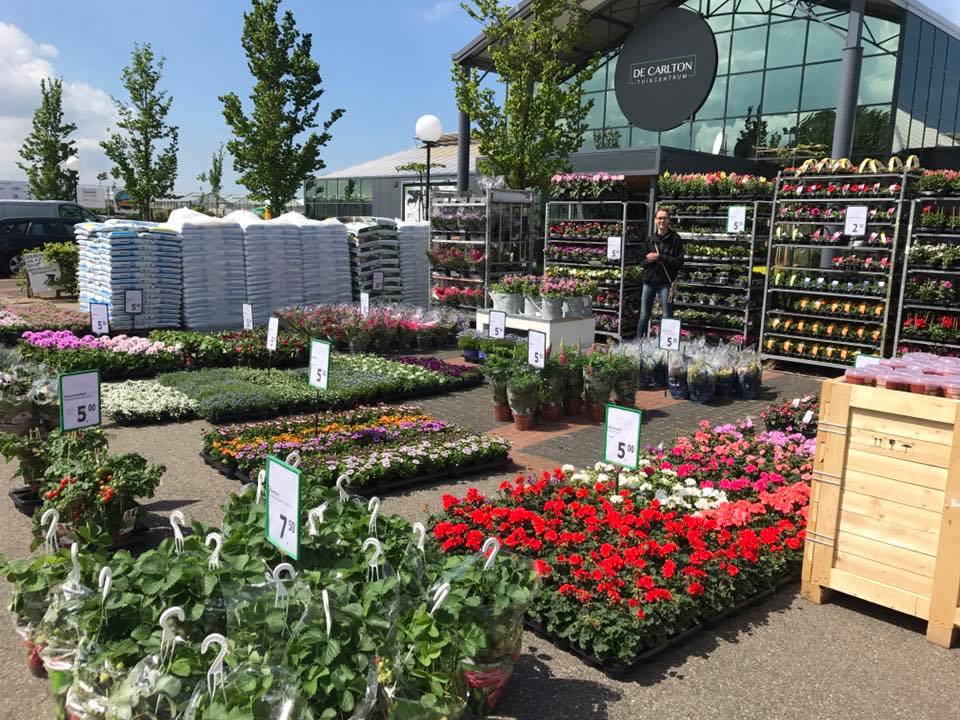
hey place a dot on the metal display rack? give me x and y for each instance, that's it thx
(827, 293)
(929, 308)
(718, 293)
(494, 225)
(585, 227)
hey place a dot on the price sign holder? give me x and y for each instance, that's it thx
(247, 316)
(669, 334)
(99, 318)
(537, 348)
(736, 218)
(855, 221)
(133, 304)
(319, 376)
(614, 247)
(283, 507)
(79, 399)
(364, 303)
(621, 436)
(273, 329)
(497, 324)
(378, 280)
(863, 361)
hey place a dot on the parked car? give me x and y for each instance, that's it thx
(18, 235)
(63, 209)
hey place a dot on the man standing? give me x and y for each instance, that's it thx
(661, 265)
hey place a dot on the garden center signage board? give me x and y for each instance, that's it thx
(133, 301)
(669, 334)
(247, 316)
(99, 322)
(319, 364)
(621, 436)
(79, 399)
(498, 324)
(736, 218)
(273, 328)
(283, 507)
(666, 69)
(537, 348)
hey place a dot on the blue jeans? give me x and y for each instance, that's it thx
(646, 306)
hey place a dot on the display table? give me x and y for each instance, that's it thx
(569, 331)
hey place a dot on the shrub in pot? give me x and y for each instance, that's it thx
(523, 395)
(677, 376)
(570, 362)
(749, 378)
(599, 375)
(626, 379)
(553, 391)
(497, 372)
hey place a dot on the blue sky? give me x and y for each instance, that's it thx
(385, 61)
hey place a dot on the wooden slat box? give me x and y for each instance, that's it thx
(884, 521)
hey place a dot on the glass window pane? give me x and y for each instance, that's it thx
(743, 95)
(705, 135)
(642, 138)
(588, 144)
(751, 13)
(925, 57)
(816, 128)
(786, 43)
(777, 130)
(876, 79)
(723, 53)
(781, 90)
(720, 22)
(936, 79)
(366, 188)
(820, 86)
(598, 81)
(823, 43)
(615, 116)
(908, 64)
(878, 31)
(611, 138)
(594, 117)
(872, 130)
(713, 105)
(736, 138)
(679, 137)
(612, 70)
(749, 49)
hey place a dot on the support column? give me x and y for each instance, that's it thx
(849, 83)
(463, 153)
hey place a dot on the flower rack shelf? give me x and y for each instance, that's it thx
(878, 529)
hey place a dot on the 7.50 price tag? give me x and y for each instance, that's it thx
(621, 435)
(79, 399)
(283, 507)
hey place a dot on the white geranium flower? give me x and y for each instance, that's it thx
(615, 499)
(661, 495)
(568, 468)
(603, 477)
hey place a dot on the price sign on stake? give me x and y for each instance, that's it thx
(247, 316)
(319, 364)
(273, 327)
(669, 334)
(537, 348)
(283, 507)
(498, 324)
(614, 247)
(807, 417)
(736, 218)
(621, 433)
(378, 280)
(364, 303)
(79, 399)
(855, 223)
(133, 302)
(98, 319)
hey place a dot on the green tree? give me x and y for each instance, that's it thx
(148, 170)
(420, 170)
(270, 161)
(215, 174)
(48, 146)
(543, 117)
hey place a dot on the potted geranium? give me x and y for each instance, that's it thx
(507, 294)
(933, 183)
(523, 396)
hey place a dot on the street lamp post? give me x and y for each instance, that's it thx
(428, 130)
(73, 163)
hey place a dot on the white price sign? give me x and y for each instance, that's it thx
(807, 417)
(621, 434)
(855, 223)
(98, 319)
(669, 334)
(614, 247)
(736, 218)
(498, 324)
(247, 316)
(133, 302)
(79, 399)
(378, 280)
(863, 361)
(319, 364)
(283, 507)
(364, 303)
(273, 328)
(537, 348)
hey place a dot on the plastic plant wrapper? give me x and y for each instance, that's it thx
(252, 691)
(25, 388)
(60, 632)
(265, 615)
(749, 374)
(677, 376)
(701, 381)
(94, 676)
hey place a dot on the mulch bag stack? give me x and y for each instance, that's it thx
(121, 255)
(271, 253)
(214, 284)
(325, 259)
(414, 238)
(374, 247)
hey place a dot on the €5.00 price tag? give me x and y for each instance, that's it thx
(98, 319)
(736, 218)
(669, 334)
(537, 348)
(364, 303)
(378, 280)
(614, 247)
(79, 399)
(622, 436)
(283, 507)
(273, 328)
(319, 364)
(855, 222)
(498, 324)
(247, 316)
(133, 302)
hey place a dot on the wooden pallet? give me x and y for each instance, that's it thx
(884, 521)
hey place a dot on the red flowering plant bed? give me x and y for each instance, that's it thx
(702, 526)
(796, 415)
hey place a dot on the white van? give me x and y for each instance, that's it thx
(63, 209)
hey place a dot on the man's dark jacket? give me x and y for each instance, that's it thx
(664, 270)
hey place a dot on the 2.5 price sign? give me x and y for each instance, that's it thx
(621, 436)
(79, 399)
(283, 507)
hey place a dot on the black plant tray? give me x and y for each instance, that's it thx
(25, 500)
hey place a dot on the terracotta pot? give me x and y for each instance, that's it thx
(572, 407)
(551, 413)
(501, 413)
(596, 412)
(523, 422)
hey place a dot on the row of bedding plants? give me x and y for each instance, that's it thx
(634, 559)
(371, 446)
(120, 356)
(40, 315)
(372, 620)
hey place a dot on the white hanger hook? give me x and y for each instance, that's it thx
(293, 459)
(439, 595)
(104, 581)
(261, 477)
(215, 539)
(420, 533)
(215, 672)
(325, 596)
(377, 551)
(244, 489)
(374, 507)
(344, 495)
(176, 522)
(493, 546)
(167, 636)
(51, 543)
(277, 578)
(313, 517)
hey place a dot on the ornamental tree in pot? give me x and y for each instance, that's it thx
(523, 395)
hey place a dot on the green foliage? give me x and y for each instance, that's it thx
(148, 170)
(215, 174)
(48, 146)
(543, 118)
(266, 153)
(67, 256)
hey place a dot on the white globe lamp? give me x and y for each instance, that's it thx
(73, 164)
(428, 130)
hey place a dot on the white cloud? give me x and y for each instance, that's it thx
(23, 64)
(439, 10)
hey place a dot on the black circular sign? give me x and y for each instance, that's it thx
(666, 69)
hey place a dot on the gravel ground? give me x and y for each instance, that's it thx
(784, 658)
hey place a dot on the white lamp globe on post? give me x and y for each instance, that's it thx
(428, 130)
(73, 164)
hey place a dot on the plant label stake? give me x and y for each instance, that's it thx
(614, 247)
(669, 334)
(79, 399)
(736, 218)
(364, 303)
(273, 328)
(537, 348)
(319, 374)
(621, 437)
(855, 222)
(283, 507)
(247, 316)
(498, 324)
(373, 565)
(99, 322)
(51, 542)
(378, 280)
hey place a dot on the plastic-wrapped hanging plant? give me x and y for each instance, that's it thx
(677, 376)
(749, 375)
(701, 381)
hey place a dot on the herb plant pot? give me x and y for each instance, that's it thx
(551, 413)
(523, 422)
(501, 412)
(572, 407)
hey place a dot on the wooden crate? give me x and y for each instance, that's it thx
(884, 521)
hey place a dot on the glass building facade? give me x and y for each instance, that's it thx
(338, 197)
(777, 82)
